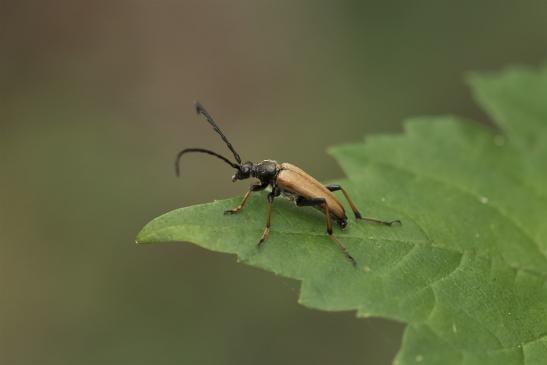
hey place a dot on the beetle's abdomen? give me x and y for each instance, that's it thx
(297, 182)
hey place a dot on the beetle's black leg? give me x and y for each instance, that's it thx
(387, 223)
(266, 233)
(252, 188)
(320, 202)
(336, 187)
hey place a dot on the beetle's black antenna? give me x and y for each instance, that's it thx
(201, 110)
(201, 150)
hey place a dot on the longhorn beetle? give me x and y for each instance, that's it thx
(287, 179)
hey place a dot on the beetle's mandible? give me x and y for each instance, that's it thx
(287, 180)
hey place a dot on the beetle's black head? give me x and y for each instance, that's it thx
(244, 171)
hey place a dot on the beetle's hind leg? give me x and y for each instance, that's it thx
(336, 187)
(321, 202)
(252, 188)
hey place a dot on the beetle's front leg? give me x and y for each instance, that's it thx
(275, 192)
(336, 187)
(252, 188)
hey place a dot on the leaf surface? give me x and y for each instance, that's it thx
(467, 269)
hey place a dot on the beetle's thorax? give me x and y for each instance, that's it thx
(266, 171)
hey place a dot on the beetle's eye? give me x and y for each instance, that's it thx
(243, 172)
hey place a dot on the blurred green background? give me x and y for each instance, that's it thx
(96, 99)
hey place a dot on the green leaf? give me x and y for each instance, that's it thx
(466, 270)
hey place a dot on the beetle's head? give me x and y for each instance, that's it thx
(244, 171)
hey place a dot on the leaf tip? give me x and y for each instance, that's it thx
(143, 236)
(139, 240)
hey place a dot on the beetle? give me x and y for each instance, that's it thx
(284, 179)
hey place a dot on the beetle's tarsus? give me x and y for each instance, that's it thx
(343, 248)
(385, 223)
(352, 261)
(232, 211)
(259, 244)
(264, 237)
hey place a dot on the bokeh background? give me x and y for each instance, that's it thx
(96, 99)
